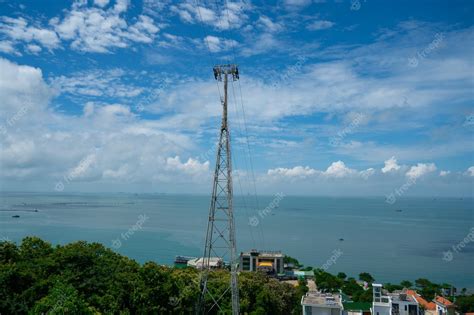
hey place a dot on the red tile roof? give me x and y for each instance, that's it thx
(427, 305)
(443, 301)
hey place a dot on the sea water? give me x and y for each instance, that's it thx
(410, 239)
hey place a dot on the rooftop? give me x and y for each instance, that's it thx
(443, 301)
(398, 296)
(321, 299)
(198, 262)
(357, 306)
(263, 253)
(427, 305)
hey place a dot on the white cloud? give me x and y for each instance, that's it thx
(297, 171)
(320, 25)
(230, 15)
(365, 174)
(217, 44)
(338, 169)
(89, 29)
(444, 173)
(7, 47)
(470, 171)
(34, 49)
(101, 3)
(98, 83)
(192, 166)
(267, 25)
(21, 86)
(420, 169)
(296, 4)
(390, 165)
(264, 42)
(97, 30)
(335, 170)
(107, 142)
(19, 30)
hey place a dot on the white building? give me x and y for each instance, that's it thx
(381, 304)
(403, 303)
(316, 303)
(214, 262)
(444, 306)
(396, 303)
(262, 260)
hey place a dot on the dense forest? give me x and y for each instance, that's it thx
(88, 278)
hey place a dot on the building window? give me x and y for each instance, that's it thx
(246, 263)
(308, 310)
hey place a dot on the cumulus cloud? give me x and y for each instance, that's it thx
(470, 171)
(101, 83)
(191, 166)
(390, 165)
(7, 47)
(297, 171)
(19, 30)
(217, 44)
(229, 15)
(338, 169)
(89, 29)
(22, 86)
(107, 142)
(444, 173)
(101, 3)
(420, 170)
(267, 25)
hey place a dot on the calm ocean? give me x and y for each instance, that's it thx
(404, 241)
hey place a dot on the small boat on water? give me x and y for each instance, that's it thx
(341, 239)
(398, 210)
(15, 216)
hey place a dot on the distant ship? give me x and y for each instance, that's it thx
(15, 216)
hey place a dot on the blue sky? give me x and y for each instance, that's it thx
(341, 97)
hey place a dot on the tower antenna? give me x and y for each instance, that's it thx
(220, 237)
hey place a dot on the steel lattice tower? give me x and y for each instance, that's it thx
(220, 236)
